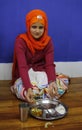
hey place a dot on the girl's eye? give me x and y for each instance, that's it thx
(41, 27)
(34, 27)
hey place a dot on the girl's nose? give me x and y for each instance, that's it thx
(37, 30)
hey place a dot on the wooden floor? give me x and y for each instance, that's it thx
(9, 110)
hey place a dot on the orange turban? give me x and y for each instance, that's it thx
(36, 16)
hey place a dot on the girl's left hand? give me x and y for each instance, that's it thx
(53, 89)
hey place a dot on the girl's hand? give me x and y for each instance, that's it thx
(53, 89)
(30, 96)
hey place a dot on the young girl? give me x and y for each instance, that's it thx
(33, 65)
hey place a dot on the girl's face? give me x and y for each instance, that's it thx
(37, 30)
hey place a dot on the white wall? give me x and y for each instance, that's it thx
(72, 69)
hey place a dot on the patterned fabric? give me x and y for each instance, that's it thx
(40, 85)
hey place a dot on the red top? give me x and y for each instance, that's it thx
(42, 60)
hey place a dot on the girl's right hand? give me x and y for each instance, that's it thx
(30, 95)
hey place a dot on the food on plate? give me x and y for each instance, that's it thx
(48, 109)
(60, 109)
(36, 111)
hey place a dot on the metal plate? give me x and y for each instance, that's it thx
(47, 109)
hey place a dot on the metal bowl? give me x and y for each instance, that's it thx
(48, 109)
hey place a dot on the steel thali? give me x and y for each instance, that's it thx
(48, 109)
